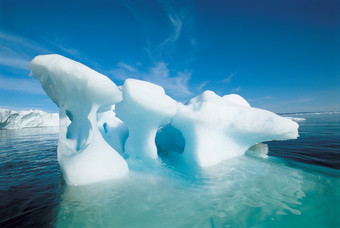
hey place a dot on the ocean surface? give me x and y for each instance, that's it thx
(298, 185)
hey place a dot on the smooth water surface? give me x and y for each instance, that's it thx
(30, 178)
(297, 186)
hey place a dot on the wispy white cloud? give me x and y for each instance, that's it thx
(23, 85)
(202, 85)
(177, 26)
(21, 43)
(127, 67)
(176, 85)
(60, 44)
(16, 52)
(228, 79)
(70, 51)
(124, 71)
(268, 97)
(179, 23)
(193, 42)
(236, 90)
(16, 62)
(176, 23)
(181, 33)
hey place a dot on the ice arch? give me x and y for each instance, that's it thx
(217, 128)
(80, 92)
(169, 139)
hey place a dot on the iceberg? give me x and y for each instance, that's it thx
(80, 93)
(101, 124)
(217, 128)
(23, 119)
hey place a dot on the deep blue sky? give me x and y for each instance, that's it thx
(281, 55)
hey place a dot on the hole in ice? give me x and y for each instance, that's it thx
(69, 115)
(169, 139)
(78, 131)
(113, 130)
(105, 127)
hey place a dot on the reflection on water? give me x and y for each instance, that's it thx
(241, 192)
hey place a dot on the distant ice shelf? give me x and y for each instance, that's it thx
(23, 119)
(296, 119)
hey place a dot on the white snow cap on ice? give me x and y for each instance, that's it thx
(237, 99)
(216, 128)
(145, 107)
(69, 82)
(80, 92)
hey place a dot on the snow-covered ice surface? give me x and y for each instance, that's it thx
(207, 130)
(216, 128)
(236, 99)
(80, 93)
(24, 119)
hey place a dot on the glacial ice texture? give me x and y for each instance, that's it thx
(217, 128)
(24, 119)
(113, 130)
(207, 130)
(80, 92)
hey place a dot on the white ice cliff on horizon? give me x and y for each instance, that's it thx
(207, 130)
(80, 93)
(296, 119)
(24, 119)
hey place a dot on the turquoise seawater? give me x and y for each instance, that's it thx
(298, 185)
